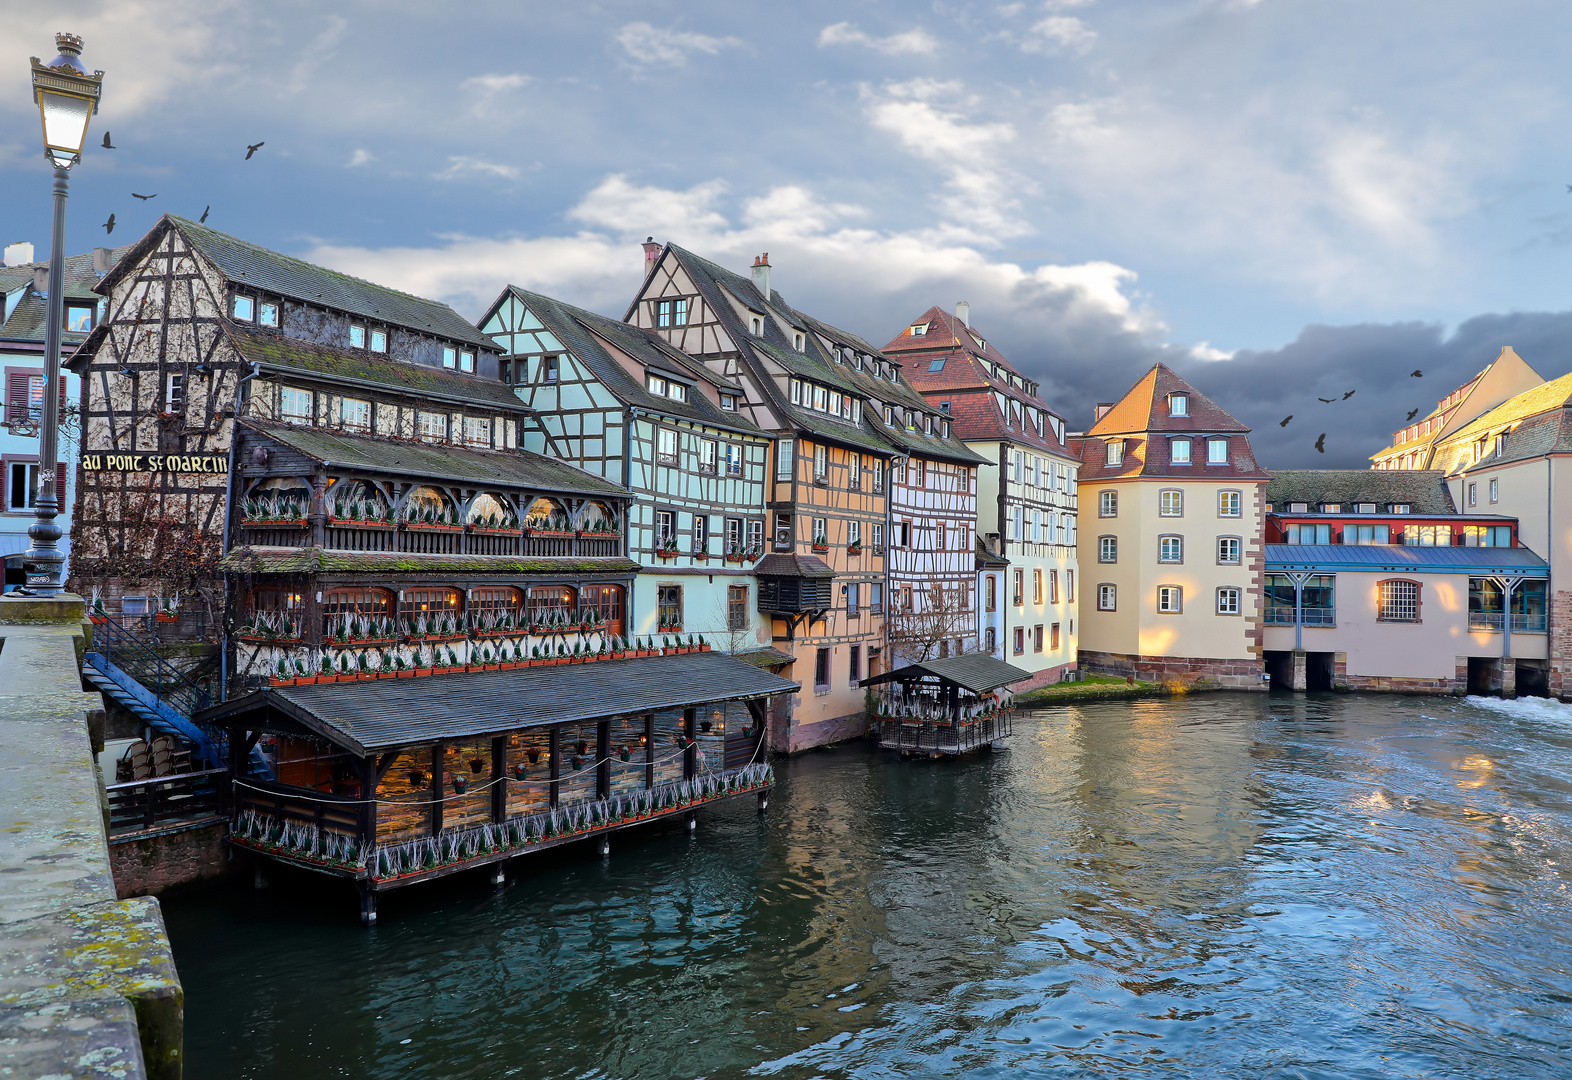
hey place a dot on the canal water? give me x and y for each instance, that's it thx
(1219, 886)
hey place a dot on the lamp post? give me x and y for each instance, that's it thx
(67, 97)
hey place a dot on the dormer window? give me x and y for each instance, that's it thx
(981, 344)
(449, 357)
(79, 318)
(1331, 508)
(944, 407)
(1364, 508)
(1116, 452)
(466, 361)
(1217, 451)
(1179, 452)
(1298, 508)
(919, 330)
(379, 341)
(267, 313)
(729, 402)
(1400, 508)
(758, 326)
(243, 309)
(357, 336)
(797, 342)
(1178, 404)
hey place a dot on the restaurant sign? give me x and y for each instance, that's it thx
(114, 461)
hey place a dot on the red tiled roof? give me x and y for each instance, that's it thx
(1142, 420)
(1145, 408)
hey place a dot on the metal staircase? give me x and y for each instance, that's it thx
(126, 669)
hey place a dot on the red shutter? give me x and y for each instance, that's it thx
(60, 488)
(16, 387)
(62, 376)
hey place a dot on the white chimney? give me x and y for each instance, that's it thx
(101, 261)
(19, 253)
(651, 254)
(963, 312)
(761, 275)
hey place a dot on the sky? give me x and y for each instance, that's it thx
(1282, 199)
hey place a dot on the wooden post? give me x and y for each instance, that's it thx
(439, 759)
(603, 754)
(690, 754)
(649, 750)
(555, 749)
(499, 782)
(368, 809)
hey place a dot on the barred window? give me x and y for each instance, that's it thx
(1399, 601)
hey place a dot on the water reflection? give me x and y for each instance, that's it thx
(1228, 886)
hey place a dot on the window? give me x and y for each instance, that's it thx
(1037, 586)
(1228, 600)
(1399, 601)
(853, 600)
(821, 532)
(821, 671)
(1020, 640)
(821, 399)
(797, 342)
(833, 404)
(917, 473)
(755, 534)
(783, 461)
(736, 607)
(854, 667)
(676, 391)
(294, 404)
(729, 402)
(783, 540)
(1473, 494)
(665, 528)
(991, 592)
(1037, 638)
(854, 533)
(1170, 502)
(243, 308)
(733, 459)
(477, 431)
(936, 365)
(1178, 405)
(671, 312)
(267, 314)
(354, 413)
(669, 604)
(1367, 535)
(449, 357)
(701, 534)
(1364, 508)
(733, 535)
(379, 341)
(1228, 550)
(758, 326)
(1179, 452)
(1230, 504)
(707, 455)
(1170, 599)
(1053, 586)
(1495, 490)
(466, 361)
(79, 319)
(878, 476)
(1427, 536)
(1107, 595)
(1115, 452)
(919, 330)
(1331, 508)
(1487, 536)
(1108, 504)
(1019, 592)
(1170, 549)
(21, 485)
(821, 465)
(175, 392)
(666, 446)
(1307, 534)
(1298, 508)
(1217, 451)
(1053, 637)
(432, 426)
(878, 538)
(1069, 592)
(876, 597)
(357, 336)
(990, 640)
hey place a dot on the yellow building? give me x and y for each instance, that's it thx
(1414, 446)
(1170, 543)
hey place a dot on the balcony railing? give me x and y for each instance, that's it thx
(1485, 620)
(339, 536)
(1283, 615)
(1521, 623)
(138, 805)
(1528, 624)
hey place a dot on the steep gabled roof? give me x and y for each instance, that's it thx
(245, 263)
(1145, 408)
(945, 333)
(587, 336)
(1547, 396)
(1424, 490)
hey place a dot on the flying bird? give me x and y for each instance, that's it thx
(109, 226)
(1416, 374)
(1320, 444)
(1284, 421)
(1328, 400)
(144, 198)
(251, 149)
(203, 218)
(107, 144)
(1350, 394)
(1410, 417)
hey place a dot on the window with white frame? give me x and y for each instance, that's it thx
(1108, 504)
(708, 455)
(783, 459)
(294, 403)
(1107, 597)
(477, 431)
(354, 413)
(466, 361)
(1170, 502)
(1115, 451)
(1170, 548)
(733, 459)
(1230, 504)
(432, 426)
(1228, 600)
(756, 534)
(1179, 452)
(665, 528)
(1399, 601)
(665, 446)
(878, 537)
(357, 337)
(821, 465)
(379, 341)
(267, 314)
(449, 356)
(701, 534)
(1170, 599)
(1217, 451)
(1228, 550)
(243, 308)
(1178, 405)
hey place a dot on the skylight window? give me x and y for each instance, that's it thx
(936, 365)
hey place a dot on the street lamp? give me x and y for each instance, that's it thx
(67, 97)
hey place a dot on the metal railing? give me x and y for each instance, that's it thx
(1486, 620)
(1283, 615)
(138, 805)
(896, 734)
(135, 655)
(1528, 624)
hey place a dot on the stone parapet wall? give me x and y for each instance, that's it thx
(1239, 674)
(1561, 644)
(1046, 677)
(147, 864)
(1391, 684)
(824, 732)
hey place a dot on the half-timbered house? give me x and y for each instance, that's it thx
(624, 404)
(821, 583)
(1026, 495)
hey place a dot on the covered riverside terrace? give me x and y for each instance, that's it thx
(946, 706)
(389, 782)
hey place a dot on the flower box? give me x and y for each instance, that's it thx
(821, 548)
(281, 523)
(854, 549)
(423, 526)
(404, 673)
(265, 640)
(164, 616)
(550, 534)
(480, 530)
(423, 671)
(359, 523)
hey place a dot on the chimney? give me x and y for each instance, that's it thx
(1102, 410)
(761, 275)
(19, 253)
(101, 261)
(651, 254)
(963, 312)
(41, 280)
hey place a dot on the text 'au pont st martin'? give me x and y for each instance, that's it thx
(153, 463)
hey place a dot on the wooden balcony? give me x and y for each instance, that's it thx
(429, 540)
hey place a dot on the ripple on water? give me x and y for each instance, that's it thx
(1232, 886)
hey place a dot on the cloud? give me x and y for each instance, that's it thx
(360, 157)
(1059, 34)
(916, 41)
(646, 44)
(462, 165)
(493, 84)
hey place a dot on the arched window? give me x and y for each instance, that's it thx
(551, 601)
(547, 515)
(284, 498)
(428, 506)
(431, 612)
(490, 512)
(357, 500)
(598, 518)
